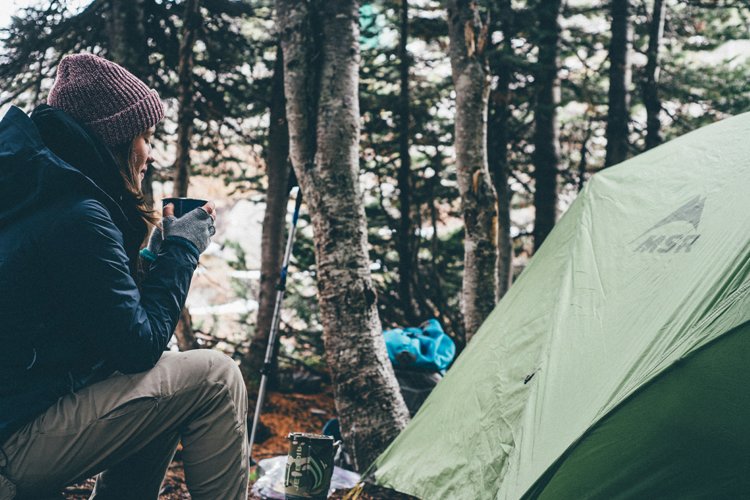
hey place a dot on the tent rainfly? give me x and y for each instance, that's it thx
(618, 365)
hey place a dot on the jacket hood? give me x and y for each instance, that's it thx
(78, 147)
(49, 155)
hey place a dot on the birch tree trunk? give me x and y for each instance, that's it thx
(186, 113)
(651, 86)
(617, 115)
(471, 78)
(498, 143)
(274, 222)
(405, 229)
(320, 40)
(546, 154)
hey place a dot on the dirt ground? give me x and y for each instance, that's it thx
(284, 413)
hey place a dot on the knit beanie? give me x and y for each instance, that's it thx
(105, 97)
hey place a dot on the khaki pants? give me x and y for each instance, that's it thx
(128, 426)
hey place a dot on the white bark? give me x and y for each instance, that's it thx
(468, 38)
(320, 40)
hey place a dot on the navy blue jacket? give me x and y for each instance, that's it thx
(70, 310)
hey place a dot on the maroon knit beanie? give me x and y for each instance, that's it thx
(105, 97)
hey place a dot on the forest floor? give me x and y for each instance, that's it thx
(283, 413)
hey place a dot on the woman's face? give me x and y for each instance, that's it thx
(141, 154)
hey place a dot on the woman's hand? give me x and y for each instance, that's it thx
(196, 226)
(157, 235)
(209, 207)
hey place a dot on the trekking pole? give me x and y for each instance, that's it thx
(280, 289)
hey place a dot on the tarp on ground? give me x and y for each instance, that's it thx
(618, 364)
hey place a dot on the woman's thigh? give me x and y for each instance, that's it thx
(100, 425)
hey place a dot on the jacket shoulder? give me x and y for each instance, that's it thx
(84, 207)
(18, 132)
(79, 215)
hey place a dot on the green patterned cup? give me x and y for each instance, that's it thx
(309, 466)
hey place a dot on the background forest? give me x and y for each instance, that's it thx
(477, 131)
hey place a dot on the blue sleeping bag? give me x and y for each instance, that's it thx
(424, 348)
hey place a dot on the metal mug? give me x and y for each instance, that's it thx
(183, 205)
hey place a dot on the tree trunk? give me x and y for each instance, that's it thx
(186, 112)
(185, 115)
(183, 332)
(320, 40)
(651, 86)
(546, 89)
(617, 115)
(274, 222)
(583, 161)
(405, 229)
(498, 143)
(468, 40)
(127, 36)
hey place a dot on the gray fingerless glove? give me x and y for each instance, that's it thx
(196, 226)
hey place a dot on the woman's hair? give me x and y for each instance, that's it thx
(123, 154)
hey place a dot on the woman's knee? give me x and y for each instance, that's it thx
(200, 362)
(222, 364)
(224, 370)
(201, 366)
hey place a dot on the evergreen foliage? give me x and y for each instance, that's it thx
(235, 52)
(227, 93)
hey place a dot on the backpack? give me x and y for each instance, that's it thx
(425, 348)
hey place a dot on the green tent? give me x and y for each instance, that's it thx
(618, 365)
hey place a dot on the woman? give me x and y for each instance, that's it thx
(85, 384)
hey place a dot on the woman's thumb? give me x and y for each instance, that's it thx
(168, 210)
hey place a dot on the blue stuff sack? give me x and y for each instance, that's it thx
(424, 348)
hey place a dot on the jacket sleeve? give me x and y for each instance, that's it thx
(130, 328)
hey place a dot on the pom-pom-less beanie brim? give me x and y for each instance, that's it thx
(131, 121)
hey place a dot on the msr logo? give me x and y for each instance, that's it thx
(675, 233)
